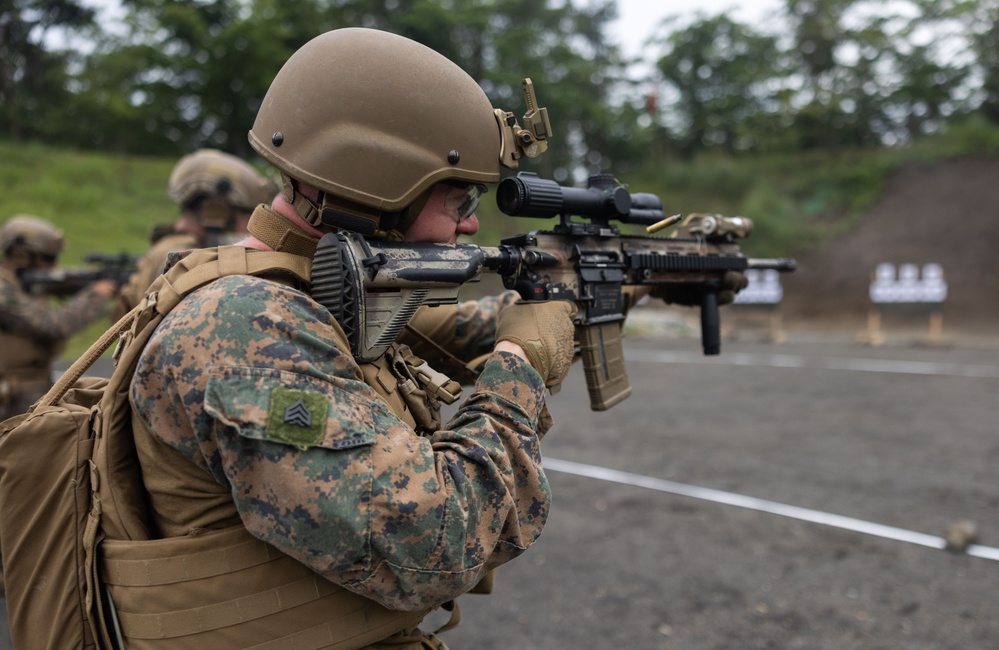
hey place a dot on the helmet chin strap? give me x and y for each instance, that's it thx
(334, 215)
(305, 208)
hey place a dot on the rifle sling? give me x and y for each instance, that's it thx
(469, 374)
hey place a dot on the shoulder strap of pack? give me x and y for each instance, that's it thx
(83, 363)
(204, 266)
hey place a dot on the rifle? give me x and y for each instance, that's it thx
(373, 288)
(65, 282)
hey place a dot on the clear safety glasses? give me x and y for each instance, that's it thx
(464, 198)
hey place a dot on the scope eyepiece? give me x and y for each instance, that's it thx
(527, 195)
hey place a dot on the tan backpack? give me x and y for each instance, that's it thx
(49, 472)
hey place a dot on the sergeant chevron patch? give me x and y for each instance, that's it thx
(298, 414)
(296, 417)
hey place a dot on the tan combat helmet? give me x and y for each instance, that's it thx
(214, 186)
(374, 120)
(24, 239)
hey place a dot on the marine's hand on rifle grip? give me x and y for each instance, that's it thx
(106, 287)
(689, 295)
(544, 331)
(732, 283)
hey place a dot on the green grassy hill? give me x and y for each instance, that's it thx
(103, 202)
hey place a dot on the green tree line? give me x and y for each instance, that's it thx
(175, 75)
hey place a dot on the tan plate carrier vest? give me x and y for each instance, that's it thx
(221, 588)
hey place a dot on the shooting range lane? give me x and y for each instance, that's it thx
(866, 455)
(790, 361)
(890, 366)
(823, 363)
(763, 505)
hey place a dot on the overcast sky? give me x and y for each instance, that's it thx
(637, 19)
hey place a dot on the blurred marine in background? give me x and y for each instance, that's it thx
(33, 331)
(216, 193)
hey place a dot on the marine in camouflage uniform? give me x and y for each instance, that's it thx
(33, 331)
(216, 193)
(250, 412)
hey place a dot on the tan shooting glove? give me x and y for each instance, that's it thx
(545, 331)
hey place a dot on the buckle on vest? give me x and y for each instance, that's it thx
(437, 383)
(119, 347)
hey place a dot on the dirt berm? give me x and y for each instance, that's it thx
(946, 213)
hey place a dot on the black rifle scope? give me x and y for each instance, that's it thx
(527, 195)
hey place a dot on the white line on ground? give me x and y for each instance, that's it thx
(824, 363)
(762, 505)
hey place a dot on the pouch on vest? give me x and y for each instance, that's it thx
(44, 500)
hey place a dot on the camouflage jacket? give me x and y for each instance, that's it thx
(247, 380)
(33, 329)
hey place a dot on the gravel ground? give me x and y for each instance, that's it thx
(902, 436)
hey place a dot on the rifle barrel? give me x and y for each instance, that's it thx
(784, 264)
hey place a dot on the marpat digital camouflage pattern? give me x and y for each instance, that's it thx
(245, 378)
